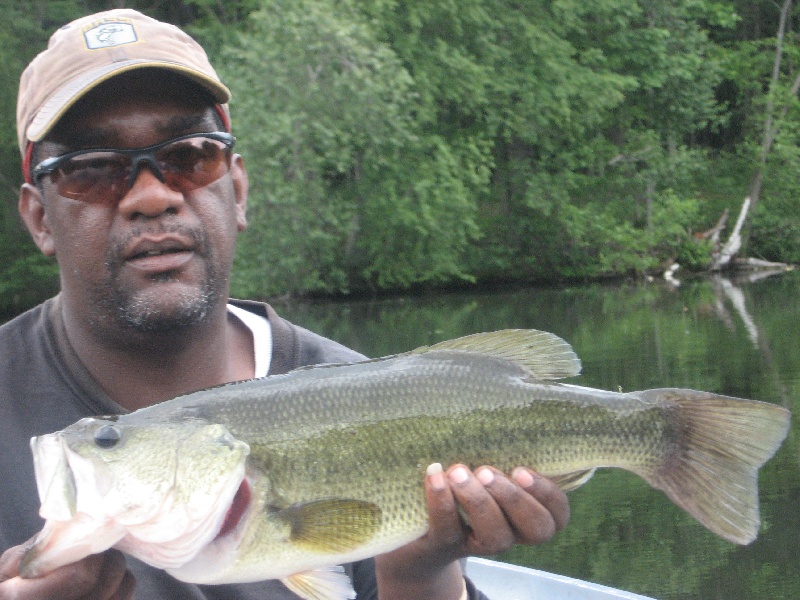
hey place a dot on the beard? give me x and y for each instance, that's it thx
(148, 311)
(141, 314)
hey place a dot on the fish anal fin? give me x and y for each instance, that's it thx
(572, 481)
(321, 584)
(713, 472)
(545, 355)
(331, 525)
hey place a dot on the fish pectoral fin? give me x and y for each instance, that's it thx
(572, 481)
(331, 525)
(321, 584)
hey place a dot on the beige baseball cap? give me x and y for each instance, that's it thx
(93, 49)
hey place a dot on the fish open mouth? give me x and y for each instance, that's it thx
(238, 508)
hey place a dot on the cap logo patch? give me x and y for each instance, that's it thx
(109, 34)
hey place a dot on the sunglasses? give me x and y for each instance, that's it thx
(183, 163)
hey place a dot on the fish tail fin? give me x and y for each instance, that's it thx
(713, 471)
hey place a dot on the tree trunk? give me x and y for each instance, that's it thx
(770, 123)
(722, 259)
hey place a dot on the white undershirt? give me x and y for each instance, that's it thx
(262, 337)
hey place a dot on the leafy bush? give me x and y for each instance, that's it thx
(26, 281)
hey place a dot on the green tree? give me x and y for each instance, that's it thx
(25, 276)
(638, 148)
(346, 187)
(763, 82)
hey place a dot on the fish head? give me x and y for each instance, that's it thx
(159, 490)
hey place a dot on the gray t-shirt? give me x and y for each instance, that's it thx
(44, 387)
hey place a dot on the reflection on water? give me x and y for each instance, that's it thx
(734, 338)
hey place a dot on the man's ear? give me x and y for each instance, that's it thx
(31, 209)
(240, 188)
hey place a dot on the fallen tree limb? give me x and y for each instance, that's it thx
(757, 264)
(721, 259)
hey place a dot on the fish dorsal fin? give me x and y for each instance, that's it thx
(544, 354)
(321, 584)
(572, 481)
(331, 525)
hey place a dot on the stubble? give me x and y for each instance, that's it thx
(141, 311)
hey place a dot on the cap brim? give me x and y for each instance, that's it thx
(66, 97)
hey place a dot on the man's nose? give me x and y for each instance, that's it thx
(149, 195)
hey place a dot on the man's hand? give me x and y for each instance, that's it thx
(495, 513)
(96, 577)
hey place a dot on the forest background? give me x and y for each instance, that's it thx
(396, 144)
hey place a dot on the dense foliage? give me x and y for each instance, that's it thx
(395, 143)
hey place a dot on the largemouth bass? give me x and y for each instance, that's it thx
(287, 476)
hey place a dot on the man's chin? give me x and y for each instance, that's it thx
(164, 311)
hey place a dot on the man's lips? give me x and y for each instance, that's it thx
(159, 254)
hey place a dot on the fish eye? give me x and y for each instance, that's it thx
(107, 436)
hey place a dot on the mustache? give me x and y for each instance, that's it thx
(116, 251)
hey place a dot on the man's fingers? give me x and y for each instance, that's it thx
(114, 581)
(97, 577)
(9, 562)
(490, 531)
(445, 528)
(127, 587)
(70, 582)
(549, 495)
(526, 518)
(486, 512)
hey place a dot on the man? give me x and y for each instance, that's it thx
(144, 232)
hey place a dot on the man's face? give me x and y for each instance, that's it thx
(158, 260)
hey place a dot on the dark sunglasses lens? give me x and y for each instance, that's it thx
(93, 177)
(184, 165)
(193, 163)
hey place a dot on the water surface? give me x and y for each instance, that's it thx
(737, 338)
